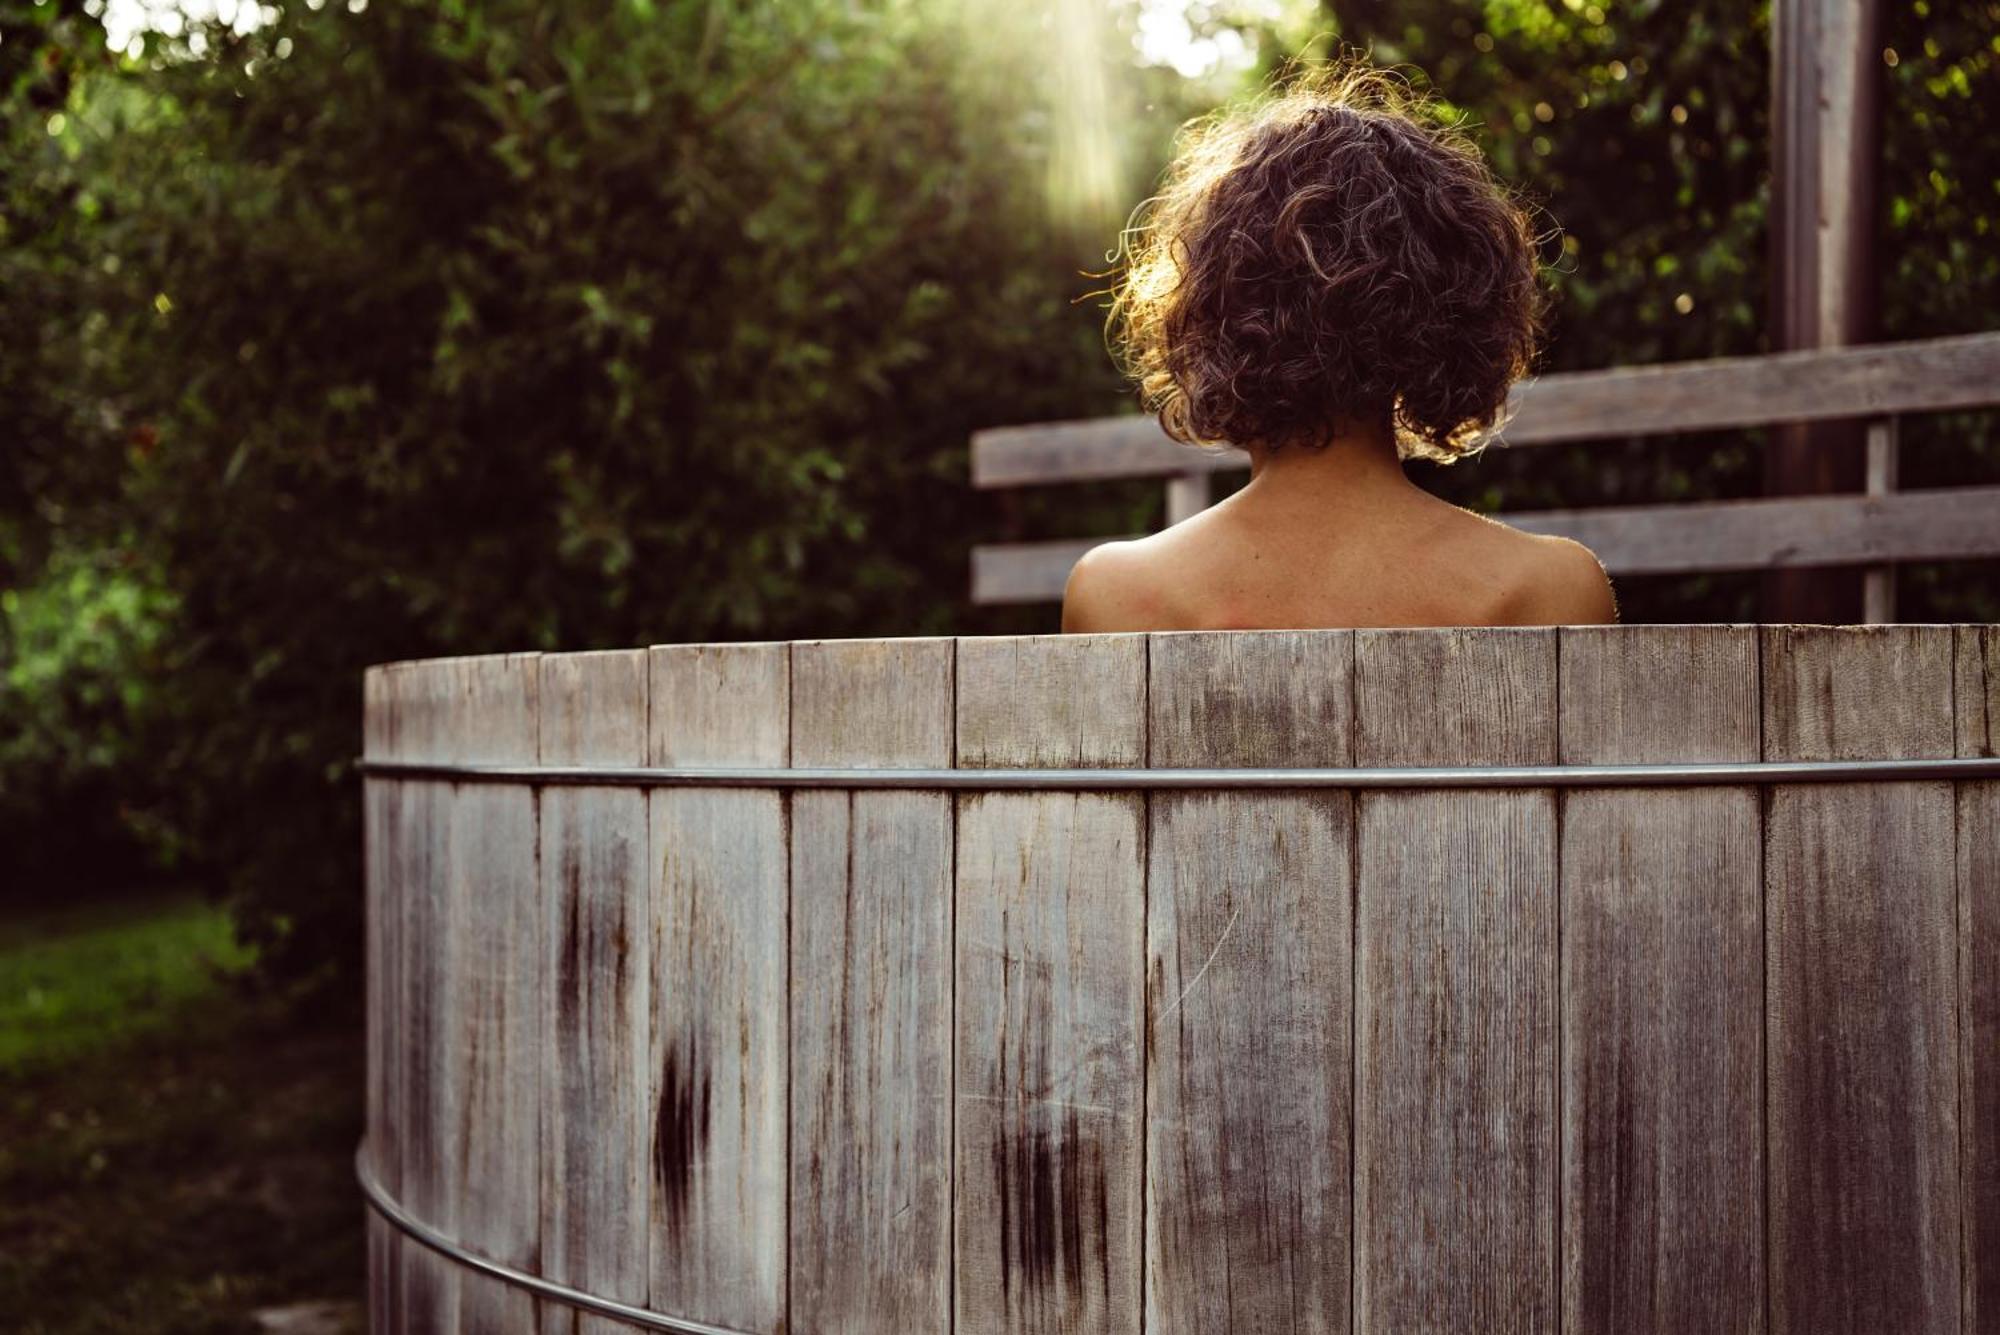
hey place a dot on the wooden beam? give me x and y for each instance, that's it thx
(1934, 525)
(1926, 375)
(1826, 132)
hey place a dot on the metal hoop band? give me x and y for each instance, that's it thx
(393, 1213)
(1081, 780)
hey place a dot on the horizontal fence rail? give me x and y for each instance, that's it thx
(1339, 982)
(1935, 525)
(1875, 382)
(1920, 376)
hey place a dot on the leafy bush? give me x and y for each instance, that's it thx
(81, 651)
(450, 328)
(446, 327)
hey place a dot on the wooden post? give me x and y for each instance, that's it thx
(1878, 586)
(1826, 135)
(1187, 496)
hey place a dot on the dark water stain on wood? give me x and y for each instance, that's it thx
(1048, 1166)
(571, 966)
(681, 1133)
(1054, 1208)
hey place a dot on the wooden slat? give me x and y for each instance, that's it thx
(1935, 525)
(1976, 693)
(1049, 981)
(1662, 988)
(596, 980)
(1249, 995)
(428, 1300)
(1861, 993)
(1052, 701)
(871, 993)
(719, 997)
(492, 992)
(1925, 375)
(382, 803)
(1455, 989)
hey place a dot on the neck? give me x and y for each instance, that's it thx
(1354, 460)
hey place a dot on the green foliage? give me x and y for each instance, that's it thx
(81, 653)
(445, 328)
(1642, 129)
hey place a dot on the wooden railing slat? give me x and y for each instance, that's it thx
(1932, 525)
(1923, 375)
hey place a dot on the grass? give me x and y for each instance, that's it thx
(75, 982)
(174, 1152)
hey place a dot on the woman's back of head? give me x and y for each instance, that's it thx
(1331, 255)
(1333, 280)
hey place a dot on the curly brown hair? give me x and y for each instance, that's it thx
(1329, 256)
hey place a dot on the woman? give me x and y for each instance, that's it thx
(1334, 283)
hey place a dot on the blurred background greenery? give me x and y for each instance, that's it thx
(336, 331)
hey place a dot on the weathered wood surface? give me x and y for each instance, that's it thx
(1976, 692)
(1052, 702)
(1935, 525)
(1249, 990)
(1940, 524)
(1861, 905)
(1921, 375)
(719, 990)
(871, 993)
(428, 1300)
(596, 917)
(493, 989)
(383, 886)
(1455, 989)
(1662, 988)
(1250, 1060)
(1050, 934)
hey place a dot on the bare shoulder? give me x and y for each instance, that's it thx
(1120, 586)
(1561, 583)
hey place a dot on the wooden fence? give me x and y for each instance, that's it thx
(1882, 526)
(715, 1051)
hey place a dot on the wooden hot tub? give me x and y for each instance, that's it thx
(1251, 982)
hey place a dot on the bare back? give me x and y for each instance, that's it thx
(1335, 539)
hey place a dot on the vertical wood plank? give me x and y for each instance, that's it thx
(1052, 701)
(1977, 698)
(1049, 966)
(382, 833)
(1662, 988)
(719, 1028)
(1862, 1042)
(871, 993)
(1249, 990)
(596, 895)
(492, 994)
(428, 1297)
(1455, 989)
